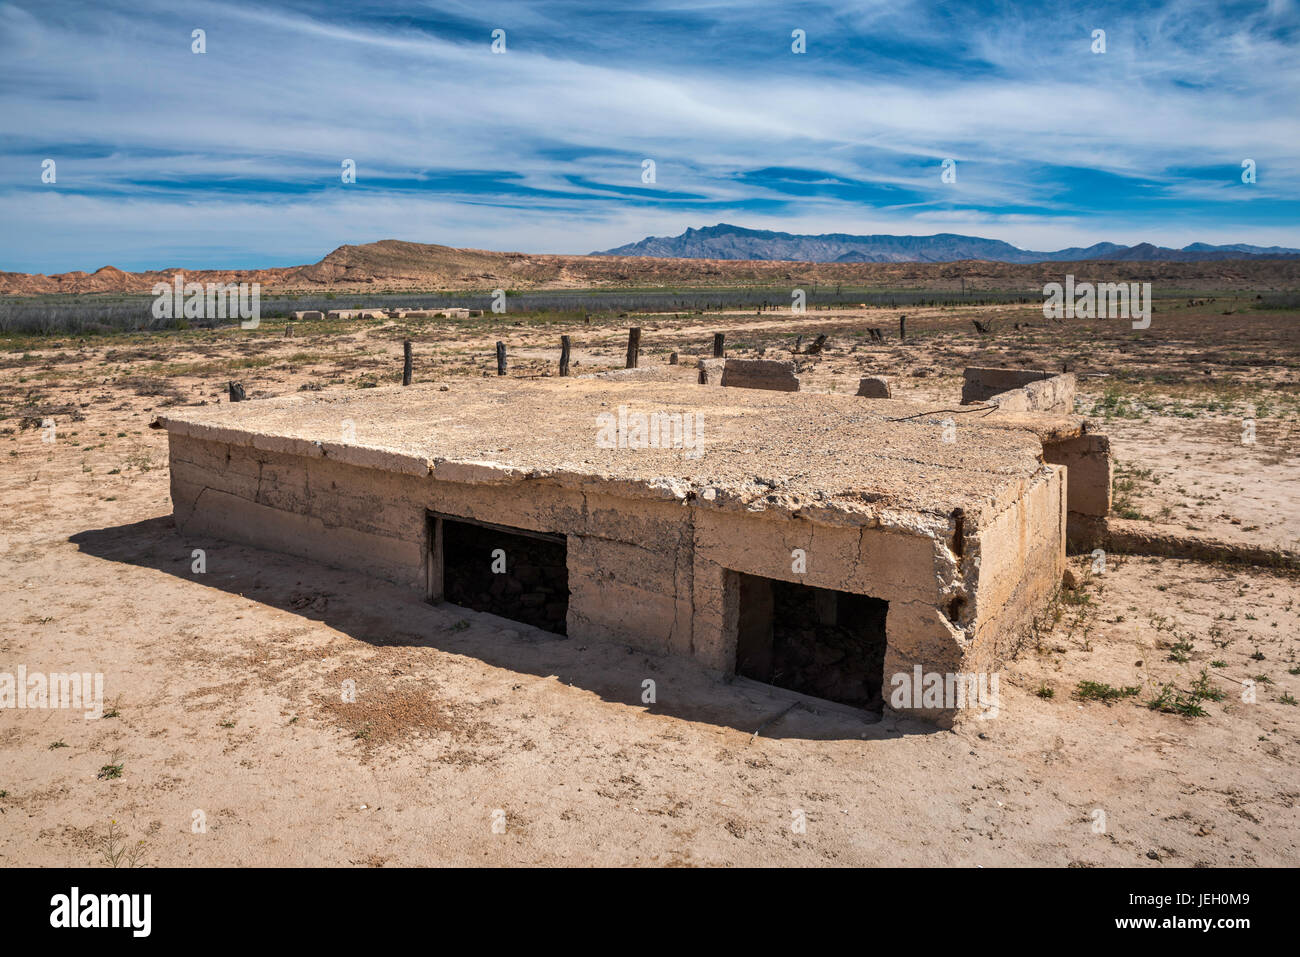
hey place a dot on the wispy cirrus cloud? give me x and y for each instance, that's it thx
(165, 157)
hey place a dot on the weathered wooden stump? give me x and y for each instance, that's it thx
(633, 346)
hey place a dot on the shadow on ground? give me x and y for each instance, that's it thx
(383, 614)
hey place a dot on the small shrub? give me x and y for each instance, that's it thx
(1099, 691)
(1171, 701)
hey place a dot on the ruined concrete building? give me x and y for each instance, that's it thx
(818, 542)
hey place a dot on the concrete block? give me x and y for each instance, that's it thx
(771, 374)
(711, 371)
(1090, 474)
(874, 387)
(980, 384)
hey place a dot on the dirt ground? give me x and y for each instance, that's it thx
(474, 740)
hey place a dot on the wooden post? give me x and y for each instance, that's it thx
(717, 345)
(902, 327)
(501, 358)
(565, 345)
(633, 346)
(406, 362)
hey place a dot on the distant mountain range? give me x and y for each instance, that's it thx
(724, 241)
(397, 265)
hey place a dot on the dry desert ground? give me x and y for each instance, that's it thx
(475, 740)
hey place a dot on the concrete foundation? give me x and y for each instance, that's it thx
(1043, 402)
(1019, 390)
(1090, 477)
(770, 374)
(963, 542)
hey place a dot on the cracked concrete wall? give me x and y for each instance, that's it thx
(891, 565)
(630, 575)
(1049, 395)
(629, 561)
(1091, 472)
(654, 575)
(980, 384)
(1021, 556)
(1019, 390)
(315, 509)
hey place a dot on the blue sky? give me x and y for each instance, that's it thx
(232, 158)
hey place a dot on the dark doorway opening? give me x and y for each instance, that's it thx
(819, 642)
(512, 572)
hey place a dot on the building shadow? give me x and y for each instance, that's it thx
(383, 614)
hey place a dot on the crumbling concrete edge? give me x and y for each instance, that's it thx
(661, 488)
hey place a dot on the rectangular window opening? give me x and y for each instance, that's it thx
(816, 641)
(514, 573)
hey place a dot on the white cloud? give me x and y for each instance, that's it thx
(285, 96)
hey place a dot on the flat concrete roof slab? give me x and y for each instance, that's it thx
(796, 452)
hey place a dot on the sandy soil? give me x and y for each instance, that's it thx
(227, 685)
